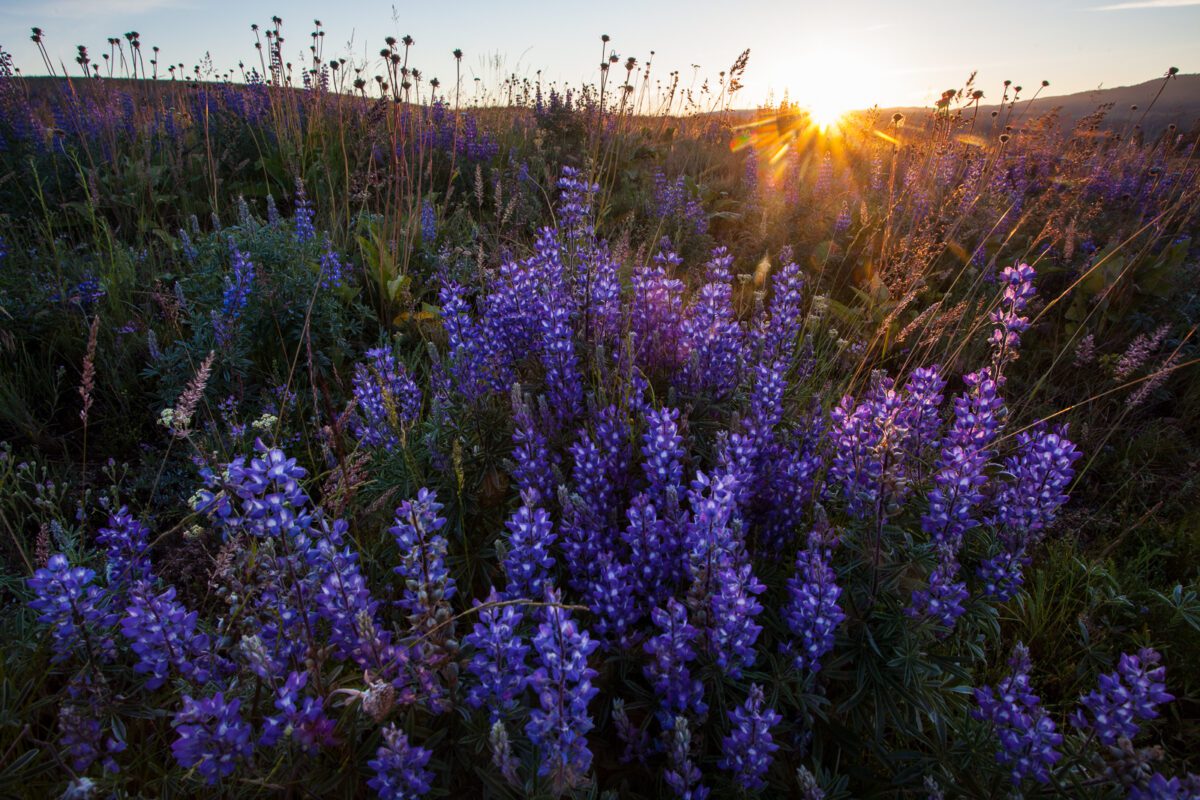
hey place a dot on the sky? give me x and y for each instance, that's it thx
(845, 53)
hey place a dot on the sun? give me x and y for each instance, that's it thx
(826, 116)
(833, 80)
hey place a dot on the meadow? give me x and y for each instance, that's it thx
(365, 434)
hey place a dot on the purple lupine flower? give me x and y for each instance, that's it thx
(842, 223)
(960, 476)
(1160, 787)
(1041, 469)
(598, 294)
(532, 460)
(563, 684)
(343, 599)
(334, 271)
(671, 650)
(584, 539)
(76, 610)
(672, 202)
(637, 743)
(777, 337)
(1006, 338)
(211, 736)
(300, 718)
(750, 173)
(734, 631)
(499, 659)
(305, 232)
(656, 318)
(575, 203)
(468, 361)
(746, 751)
(960, 465)
(1026, 732)
(1125, 698)
(612, 599)
(592, 476)
(710, 542)
(387, 399)
(942, 600)
(613, 438)
(517, 303)
(399, 767)
(162, 632)
(1139, 350)
(812, 612)
(662, 448)
(564, 383)
(127, 546)
(503, 758)
(653, 554)
(427, 583)
(81, 733)
(682, 774)
(234, 298)
(187, 248)
(528, 562)
(922, 399)
(428, 223)
(714, 340)
(869, 458)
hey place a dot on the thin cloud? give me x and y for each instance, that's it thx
(1137, 4)
(82, 9)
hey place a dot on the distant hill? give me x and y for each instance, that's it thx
(1179, 104)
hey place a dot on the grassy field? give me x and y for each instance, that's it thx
(360, 437)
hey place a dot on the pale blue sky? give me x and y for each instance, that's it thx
(859, 51)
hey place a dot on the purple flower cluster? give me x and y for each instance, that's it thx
(956, 492)
(127, 548)
(299, 718)
(387, 400)
(162, 632)
(575, 203)
(656, 317)
(1027, 734)
(1018, 290)
(305, 231)
(1160, 787)
(211, 736)
(1125, 698)
(529, 560)
(562, 681)
(812, 612)
(238, 286)
(713, 338)
(671, 651)
(499, 662)
(674, 203)
(334, 272)
(75, 608)
(82, 736)
(682, 774)
(1041, 470)
(399, 767)
(428, 223)
(747, 750)
(428, 586)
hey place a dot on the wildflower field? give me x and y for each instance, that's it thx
(365, 434)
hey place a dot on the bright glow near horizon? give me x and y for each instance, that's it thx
(826, 56)
(833, 79)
